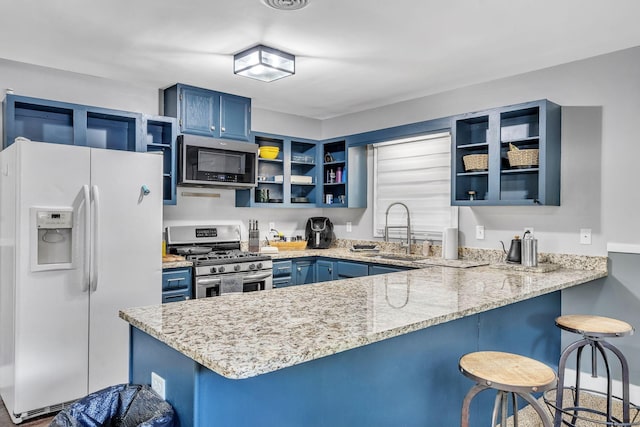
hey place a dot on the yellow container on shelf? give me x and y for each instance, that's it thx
(268, 152)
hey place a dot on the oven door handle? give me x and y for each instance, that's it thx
(255, 277)
(208, 281)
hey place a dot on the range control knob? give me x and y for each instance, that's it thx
(213, 270)
(236, 267)
(221, 270)
(259, 266)
(252, 266)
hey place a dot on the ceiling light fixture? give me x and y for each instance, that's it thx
(264, 63)
(286, 4)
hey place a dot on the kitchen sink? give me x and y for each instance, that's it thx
(396, 257)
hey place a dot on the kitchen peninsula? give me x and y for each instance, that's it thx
(370, 351)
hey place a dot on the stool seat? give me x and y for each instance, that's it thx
(510, 375)
(507, 371)
(594, 326)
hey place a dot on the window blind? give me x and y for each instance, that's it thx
(417, 172)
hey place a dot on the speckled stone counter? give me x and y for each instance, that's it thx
(176, 264)
(246, 335)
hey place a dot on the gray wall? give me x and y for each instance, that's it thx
(599, 148)
(617, 296)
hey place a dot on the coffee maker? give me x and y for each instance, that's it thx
(319, 233)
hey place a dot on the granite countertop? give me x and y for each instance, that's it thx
(245, 335)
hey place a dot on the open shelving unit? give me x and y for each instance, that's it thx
(303, 177)
(533, 125)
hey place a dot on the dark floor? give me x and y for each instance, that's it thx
(5, 420)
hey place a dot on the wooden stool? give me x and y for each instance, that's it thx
(594, 329)
(508, 374)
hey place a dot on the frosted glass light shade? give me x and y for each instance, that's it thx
(264, 63)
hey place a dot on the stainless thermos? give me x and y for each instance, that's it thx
(529, 250)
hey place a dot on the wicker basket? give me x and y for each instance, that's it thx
(299, 245)
(476, 162)
(523, 158)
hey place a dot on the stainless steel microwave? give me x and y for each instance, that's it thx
(207, 162)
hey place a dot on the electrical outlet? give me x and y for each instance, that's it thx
(158, 385)
(529, 229)
(585, 236)
(349, 227)
(480, 232)
(272, 226)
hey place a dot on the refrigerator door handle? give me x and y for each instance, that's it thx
(86, 275)
(95, 261)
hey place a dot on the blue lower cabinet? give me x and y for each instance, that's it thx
(282, 282)
(176, 284)
(348, 269)
(325, 270)
(304, 272)
(282, 273)
(383, 269)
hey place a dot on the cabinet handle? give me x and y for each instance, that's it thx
(222, 129)
(213, 128)
(330, 270)
(299, 269)
(177, 279)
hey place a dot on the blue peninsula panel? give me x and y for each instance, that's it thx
(408, 380)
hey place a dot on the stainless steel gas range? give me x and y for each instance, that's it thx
(219, 266)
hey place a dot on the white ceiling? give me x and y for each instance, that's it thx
(352, 55)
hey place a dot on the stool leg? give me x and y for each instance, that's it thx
(561, 370)
(464, 419)
(498, 407)
(546, 421)
(625, 379)
(514, 404)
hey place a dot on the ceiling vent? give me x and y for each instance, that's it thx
(286, 4)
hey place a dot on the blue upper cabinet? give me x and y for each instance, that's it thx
(64, 123)
(208, 113)
(507, 156)
(198, 112)
(235, 117)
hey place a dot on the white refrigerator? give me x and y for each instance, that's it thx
(80, 238)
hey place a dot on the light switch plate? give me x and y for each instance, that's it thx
(479, 232)
(585, 236)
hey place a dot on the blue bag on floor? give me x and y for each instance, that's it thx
(123, 405)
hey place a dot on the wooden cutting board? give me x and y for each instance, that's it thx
(172, 258)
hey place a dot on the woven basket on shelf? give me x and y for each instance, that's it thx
(523, 158)
(474, 162)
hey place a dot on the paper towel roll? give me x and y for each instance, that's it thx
(450, 243)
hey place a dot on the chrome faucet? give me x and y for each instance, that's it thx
(408, 226)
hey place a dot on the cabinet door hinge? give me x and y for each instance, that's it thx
(180, 97)
(180, 123)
